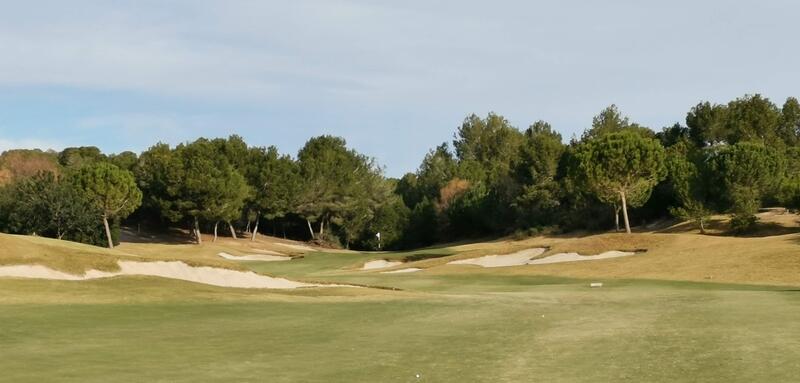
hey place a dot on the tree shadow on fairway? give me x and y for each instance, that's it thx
(168, 237)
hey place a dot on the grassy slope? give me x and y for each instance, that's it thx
(680, 256)
(683, 257)
(76, 258)
(59, 255)
(450, 323)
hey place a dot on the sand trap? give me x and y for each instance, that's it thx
(575, 257)
(380, 264)
(173, 270)
(295, 247)
(402, 271)
(255, 257)
(41, 272)
(515, 259)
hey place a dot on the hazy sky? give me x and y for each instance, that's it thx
(394, 78)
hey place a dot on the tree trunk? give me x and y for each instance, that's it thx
(215, 231)
(702, 226)
(625, 212)
(233, 232)
(310, 230)
(197, 231)
(108, 232)
(616, 217)
(192, 231)
(255, 229)
(321, 229)
(247, 229)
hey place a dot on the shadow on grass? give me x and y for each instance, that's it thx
(423, 256)
(721, 228)
(168, 237)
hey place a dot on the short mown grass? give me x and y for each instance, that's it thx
(501, 331)
(446, 323)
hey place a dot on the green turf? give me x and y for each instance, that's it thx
(450, 328)
(319, 263)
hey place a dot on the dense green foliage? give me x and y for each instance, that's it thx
(111, 190)
(621, 168)
(493, 179)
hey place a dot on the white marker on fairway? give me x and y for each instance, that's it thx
(596, 284)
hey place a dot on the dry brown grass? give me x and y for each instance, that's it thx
(64, 256)
(207, 254)
(669, 256)
(776, 221)
(688, 257)
(76, 258)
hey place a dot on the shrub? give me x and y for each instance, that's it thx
(743, 223)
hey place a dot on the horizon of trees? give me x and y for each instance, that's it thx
(492, 179)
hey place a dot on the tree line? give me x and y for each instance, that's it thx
(492, 179)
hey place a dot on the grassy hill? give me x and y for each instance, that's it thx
(690, 308)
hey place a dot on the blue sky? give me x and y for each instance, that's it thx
(394, 78)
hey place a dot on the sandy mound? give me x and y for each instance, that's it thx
(173, 270)
(295, 247)
(515, 259)
(575, 257)
(380, 264)
(255, 257)
(402, 271)
(41, 272)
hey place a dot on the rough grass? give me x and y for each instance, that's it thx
(689, 257)
(64, 256)
(771, 222)
(77, 258)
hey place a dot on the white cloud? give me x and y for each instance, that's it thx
(406, 72)
(462, 54)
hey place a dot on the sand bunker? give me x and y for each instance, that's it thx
(173, 270)
(380, 264)
(515, 259)
(295, 247)
(255, 257)
(575, 257)
(402, 271)
(524, 258)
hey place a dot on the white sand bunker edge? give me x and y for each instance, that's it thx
(514, 259)
(575, 257)
(255, 257)
(380, 264)
(172, 270)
